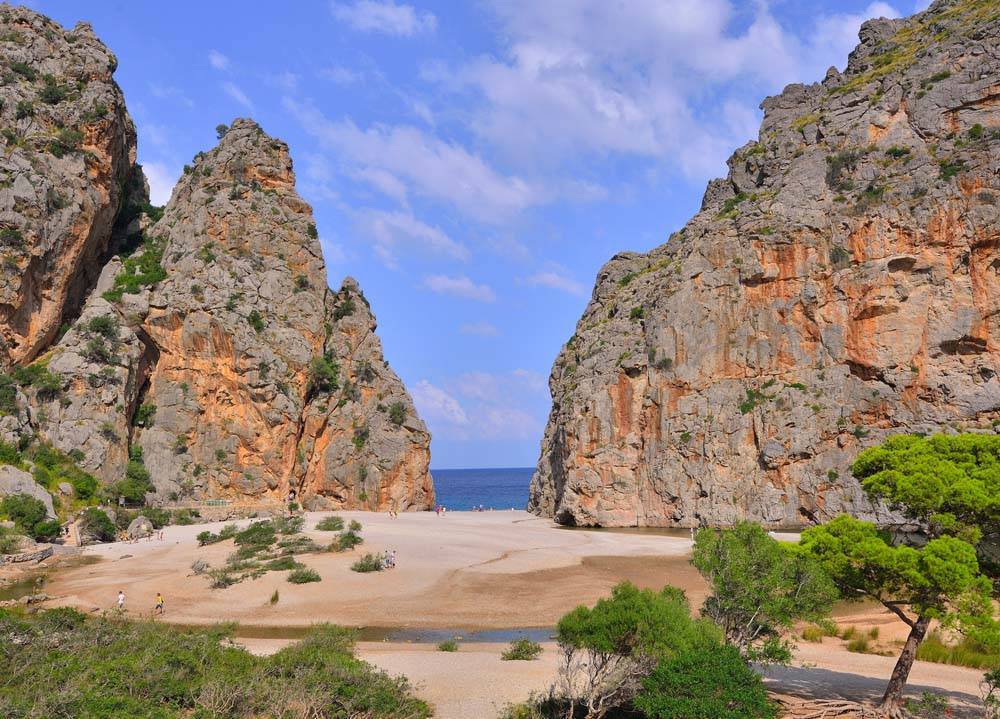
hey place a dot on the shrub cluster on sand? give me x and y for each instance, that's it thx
(60, 663)
(522, 649)
(265, 546)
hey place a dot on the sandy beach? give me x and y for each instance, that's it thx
(462, 572)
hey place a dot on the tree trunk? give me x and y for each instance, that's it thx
(892, 700)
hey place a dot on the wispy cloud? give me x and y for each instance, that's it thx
(437, 406)
(480, 329)
(460, 286)
(217, 60)
(237, 94)
(173, 94)
(384, 16)
(429, 166)
(556, 280)
(395, 231)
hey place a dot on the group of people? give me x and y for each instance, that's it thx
(157, 609)
(440, 510)
(389, 559)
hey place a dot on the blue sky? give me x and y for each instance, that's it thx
(474, 164)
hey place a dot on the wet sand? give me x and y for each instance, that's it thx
(462, 572)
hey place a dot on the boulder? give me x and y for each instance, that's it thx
(139, 528)
(17, 481)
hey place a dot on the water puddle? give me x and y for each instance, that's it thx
(34, 580)
(399, 634)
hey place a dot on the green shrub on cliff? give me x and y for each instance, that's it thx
(69, 665)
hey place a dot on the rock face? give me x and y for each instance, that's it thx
(69, 149)
(840, 285)
(17, 481)
(264, 381)
(209, 358)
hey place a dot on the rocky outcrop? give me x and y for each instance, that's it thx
(17, 481)
(69, 149)
(208, 358)
(261, 380)
(842, 283)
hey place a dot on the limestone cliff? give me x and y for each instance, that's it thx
(69, 148)
(208, 358)
(842, 283)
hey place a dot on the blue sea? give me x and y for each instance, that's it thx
(501, 488)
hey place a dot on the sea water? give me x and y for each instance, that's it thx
(499, 488)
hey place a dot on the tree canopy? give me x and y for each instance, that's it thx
(759, 588)
(950, 483)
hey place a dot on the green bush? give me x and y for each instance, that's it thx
(522, 649)
(368, 563)
(95, 522)
(256, 321)
(397, 413)
(323, 373)
(24, 510)
(812, 633)
(448, 645)
(286, 563)
(143, 268)
(303, 575)
(965, 652)
(346, 541)
(332, 523)
(10, 541)
(67, 140)
(69, 665)
(258, 534)
(705, 683)
(144, 415)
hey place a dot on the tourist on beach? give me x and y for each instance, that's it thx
(159, 604)
(121, 600)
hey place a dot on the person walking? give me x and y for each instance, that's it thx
(159, 604)
(121, 600)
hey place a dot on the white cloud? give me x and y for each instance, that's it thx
(217, 60)
(340, 75)
(481, 329)
(556, 280)
(428, 166)
(154, 134)
(530, 379)
(166, 92)
(592, 78)
(237, 94)
(384, 16)
(435, 405)
(460, 286)
(391, 231)
(161, 181)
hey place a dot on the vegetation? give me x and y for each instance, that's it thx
(610, 649)
(67, 140)
(397, 413)
(712, 683)
(838, 167)
(966, 652)
(760, 588)
(940, 579)
(332, 523)
(29, 515)
(348, 539)
(522, 649)
(142, 268)
(303, 575)
(256, 321)
(323, 373)
(368, 563)
(448, 645)
(69, 665)
(98, 524)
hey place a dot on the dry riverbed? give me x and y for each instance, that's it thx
(462, 572)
